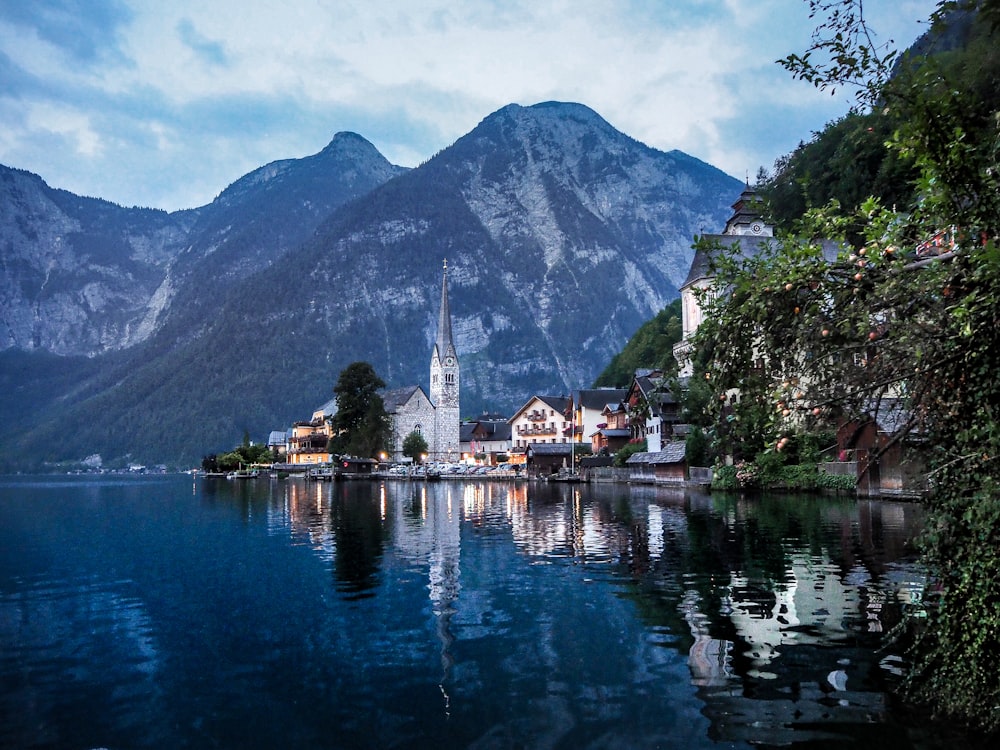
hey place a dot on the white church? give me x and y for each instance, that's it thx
(436, 415)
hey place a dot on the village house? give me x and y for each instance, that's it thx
(613, 433)
(485, 440)
(868, 448)
(277, 442)
(745, 234)
(547, 459)
(542, 419)
(666, 466)
(587, 406)
(654, 411)
(307, 445)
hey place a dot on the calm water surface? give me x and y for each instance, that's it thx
(181, 612)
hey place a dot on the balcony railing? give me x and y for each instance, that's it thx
(537, 430)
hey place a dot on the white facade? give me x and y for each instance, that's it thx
(588, 410)
(541, 420)
(746, 225)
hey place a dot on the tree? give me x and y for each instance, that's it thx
(651, 346)
(415, 446)
(361, 425)
(908, 310)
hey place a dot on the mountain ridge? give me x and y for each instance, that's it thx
(562, 236)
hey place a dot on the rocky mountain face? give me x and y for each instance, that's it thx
(82, 276)
(562, 236)
(79, 275)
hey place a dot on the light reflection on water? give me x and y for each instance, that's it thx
(454, 614)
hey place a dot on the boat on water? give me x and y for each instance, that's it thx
(242, 474)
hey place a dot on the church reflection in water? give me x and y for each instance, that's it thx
(777, 605)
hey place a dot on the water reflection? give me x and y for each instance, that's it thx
(776, 604)
(453, 614)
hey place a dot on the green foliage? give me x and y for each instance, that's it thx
(414, 446)
(838, 482)
(623, 454)
(847, 162)
(907, 311)
(724, 478)
(652, 346)
(243, 457)
(696, 447)
(361, 425)
(769, 467)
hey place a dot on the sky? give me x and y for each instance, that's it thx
(163, 104)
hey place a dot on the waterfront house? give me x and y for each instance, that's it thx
(486, 440)
(653, 409)
(871, 449)
(542, 419)
(545, 459)
(277, 442)
(307, 445)
(666, 466)
(587, 410)
(745, 235)
(613, 433)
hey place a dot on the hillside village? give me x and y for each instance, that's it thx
(577, 436)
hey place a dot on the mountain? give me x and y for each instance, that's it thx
(562, 237)
(83, 276)
(79, 274)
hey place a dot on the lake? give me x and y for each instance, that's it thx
(188, 612)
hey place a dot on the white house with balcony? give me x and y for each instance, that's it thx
(543, 419)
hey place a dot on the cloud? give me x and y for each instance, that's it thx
(165, 104)
(206, 49)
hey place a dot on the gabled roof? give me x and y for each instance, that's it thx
(744, 246)
(557, 403)
(649, 385)
(550, 449)
(485, 429)
(597, 398)
(397, 397)
(494, 430)
(611, 432)
(328, 409)
(671, 454)
(277, 437)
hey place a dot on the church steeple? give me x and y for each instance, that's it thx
(445, 381)
(444, 347)
(746, 218)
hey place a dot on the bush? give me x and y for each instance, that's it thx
(623, 454)
(839, 482)
(724, 478)
(799, 476)
(696, 447)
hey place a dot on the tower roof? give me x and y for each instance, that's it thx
(444, 345)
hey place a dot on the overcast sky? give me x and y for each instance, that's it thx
(164, 103)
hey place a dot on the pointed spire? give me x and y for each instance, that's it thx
(445, 346)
